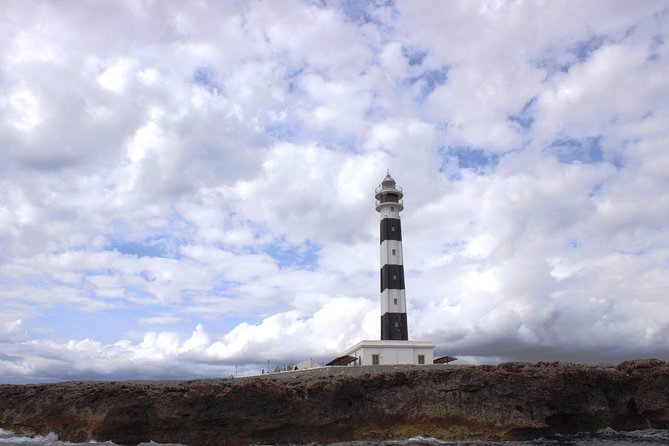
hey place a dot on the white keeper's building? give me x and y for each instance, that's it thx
(390, 352)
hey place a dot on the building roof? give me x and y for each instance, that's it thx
(445, 359)
(342, 360)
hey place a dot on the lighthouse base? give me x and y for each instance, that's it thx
(390, 353)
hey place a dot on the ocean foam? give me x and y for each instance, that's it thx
(9, 437)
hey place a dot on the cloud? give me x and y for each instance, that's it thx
(600, 91)
(12, 331)
(183, 191)
(278, 338)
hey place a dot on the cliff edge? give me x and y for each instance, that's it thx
(511, 401)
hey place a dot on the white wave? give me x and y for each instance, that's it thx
(11, 438)
(650, 434)
(153, 443)
(425, 440)
(51, 439)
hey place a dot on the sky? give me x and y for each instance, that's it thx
(187, 188)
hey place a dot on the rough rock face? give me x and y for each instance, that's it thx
(508, 401)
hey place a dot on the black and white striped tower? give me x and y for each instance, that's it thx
(393, 301)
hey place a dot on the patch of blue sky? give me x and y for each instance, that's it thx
(204, 77)
(41, 281)
(147, 276)
(163, 242)
(596, 189)
(562, 59)
(303, 256)
(119, 228)
(155, 246)
(218, 287)
(574, 243)
(656, 43)
(64, 323)
(178, 224)
(285, 131)
(335, 143)
(429, 80)
(553, 65)
(217, 326)
(376, 114)
(442, 126)
(138, 293)
(292, 77)
(225, 288)
(449, 167)
(583, 49)
(633, 252)
(571, 151)
(525, 118)
(144, 248)
(49, 283)
(414, 56)
(217, 305)
(473, 158)
(359, 12)
(356, 11)
(617, 161)
(349, 144)
(454, 247)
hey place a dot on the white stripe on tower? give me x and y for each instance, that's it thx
(393, 301)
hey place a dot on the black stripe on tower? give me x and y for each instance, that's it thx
(391, 229)
(392, 277)
(394, 327)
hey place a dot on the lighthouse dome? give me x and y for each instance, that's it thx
(388, 181)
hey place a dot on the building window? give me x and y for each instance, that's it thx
(394, 276)
(395, 301)
(392, 208)
(392, 228)
(421, 359)
(393, 252)
(375, 359)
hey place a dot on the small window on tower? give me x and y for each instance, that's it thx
(392, 228)
(397, 325)
(394, 276)
(375, 359)
(421, 359)
(395, 301)
(392, 208)
(393, 252)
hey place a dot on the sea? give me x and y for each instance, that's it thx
(606, 437)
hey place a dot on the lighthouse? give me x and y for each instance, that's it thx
(389, 204)
(394, 346)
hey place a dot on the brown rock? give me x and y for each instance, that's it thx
(508, 401)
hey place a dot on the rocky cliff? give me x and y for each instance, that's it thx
(508, 401)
